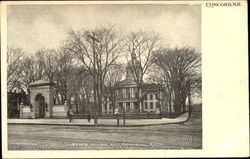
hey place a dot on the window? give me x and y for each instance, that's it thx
(146, 105)
(105, 107)
(128, 106)
(123, 92)
(120, 93)
(151, 105)
(120, 104)
(151, 96)
(127, 92)
(157, 105)
(135, 92)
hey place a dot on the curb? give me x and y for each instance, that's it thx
(99, 125)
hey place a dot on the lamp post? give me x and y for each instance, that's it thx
(124, 110)
(94, 74)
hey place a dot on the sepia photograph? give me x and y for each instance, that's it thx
(104, 77)
(124, 79)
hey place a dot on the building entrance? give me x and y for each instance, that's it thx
(40, 104)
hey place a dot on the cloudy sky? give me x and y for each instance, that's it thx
(33, 27)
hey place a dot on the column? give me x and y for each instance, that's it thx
(132, 92)
(48, 104)
(124, 106)
(140, 107)
(132, 106)
(108, 104)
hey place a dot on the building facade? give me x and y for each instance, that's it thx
(131, 98)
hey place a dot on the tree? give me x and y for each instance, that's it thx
(156, 75)
(14, 59)
(48, 59)
(140, 47)
(97, 50)
(114, 75)
(31, 71)
(180, 71)
(63, 75)
(84, 87)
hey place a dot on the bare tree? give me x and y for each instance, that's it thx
(31, 71)
(114, 75)
(14, 59)
(97, 50)
(140, 46)
(157, 75)
(82, 89)
(63, 75)
(48, 59)
(180, 68)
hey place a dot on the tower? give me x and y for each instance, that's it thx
(133, 69)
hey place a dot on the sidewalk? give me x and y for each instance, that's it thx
(101, 122)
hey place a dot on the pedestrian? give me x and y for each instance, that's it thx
(70, 114)
(117, 115)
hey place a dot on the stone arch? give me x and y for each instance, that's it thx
(44, 89)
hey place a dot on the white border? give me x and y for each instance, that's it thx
(225, 87)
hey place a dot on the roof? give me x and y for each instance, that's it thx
(41, 83)
(126, 82)
(150, 86)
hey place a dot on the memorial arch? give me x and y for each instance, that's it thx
(42, 99)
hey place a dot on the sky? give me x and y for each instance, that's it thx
(34, 27)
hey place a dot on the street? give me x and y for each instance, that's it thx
(50, 137)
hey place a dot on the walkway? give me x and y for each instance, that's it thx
(101, 122)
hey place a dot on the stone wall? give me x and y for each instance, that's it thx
(26, 112)
(59, 111)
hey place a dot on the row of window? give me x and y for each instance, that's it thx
(151, 96)
(149, 105)
(127, 93)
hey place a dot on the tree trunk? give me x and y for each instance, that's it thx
(170, 104)
(76, 103)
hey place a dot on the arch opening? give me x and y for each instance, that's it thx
(41, 105)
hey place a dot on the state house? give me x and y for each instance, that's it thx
(133, 99)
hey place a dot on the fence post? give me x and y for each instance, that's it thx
(117, 117)
(124, 118)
